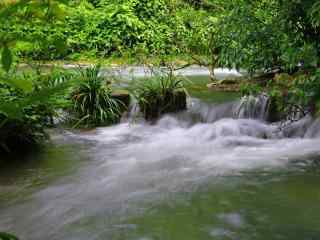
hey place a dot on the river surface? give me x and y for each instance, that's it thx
(208, 173)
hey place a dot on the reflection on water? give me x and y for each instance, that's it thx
(203, 174)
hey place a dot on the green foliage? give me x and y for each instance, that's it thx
(92, 99)
(24, 112)
(281, 34)
(7, 236)
(305, 89)
(158, 95)
(104, 28)
(25, 105)
(6, 58)
(32, 21)
(253, 89)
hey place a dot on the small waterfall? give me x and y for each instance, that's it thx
(249, 107)
(253, 107)
(211, 112)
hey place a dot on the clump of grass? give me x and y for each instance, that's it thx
(92, 99)
(161, 94)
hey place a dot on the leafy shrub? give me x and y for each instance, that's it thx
(20, 124)
(28, 104)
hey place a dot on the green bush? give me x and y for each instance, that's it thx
(28, 104)
(21, 125)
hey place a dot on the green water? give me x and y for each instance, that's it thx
(197, 87)
(276, 206)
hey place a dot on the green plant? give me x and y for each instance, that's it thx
(274, 34)
(247, 89)
(92, 99)
(161, 94)
(293, 97)
(7, 236)
(24, 112)
(25, 106)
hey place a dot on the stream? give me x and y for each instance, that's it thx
(212, 172)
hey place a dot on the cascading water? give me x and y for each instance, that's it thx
(249, 107)
(131, 168)
(253, 107)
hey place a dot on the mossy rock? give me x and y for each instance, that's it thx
(274, 115)
(169, 103)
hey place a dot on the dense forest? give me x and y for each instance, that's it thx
(272, 33)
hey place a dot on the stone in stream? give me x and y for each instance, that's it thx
(273, 114)
(123, 97)
(170, 103)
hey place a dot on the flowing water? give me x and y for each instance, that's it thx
(217, 171)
